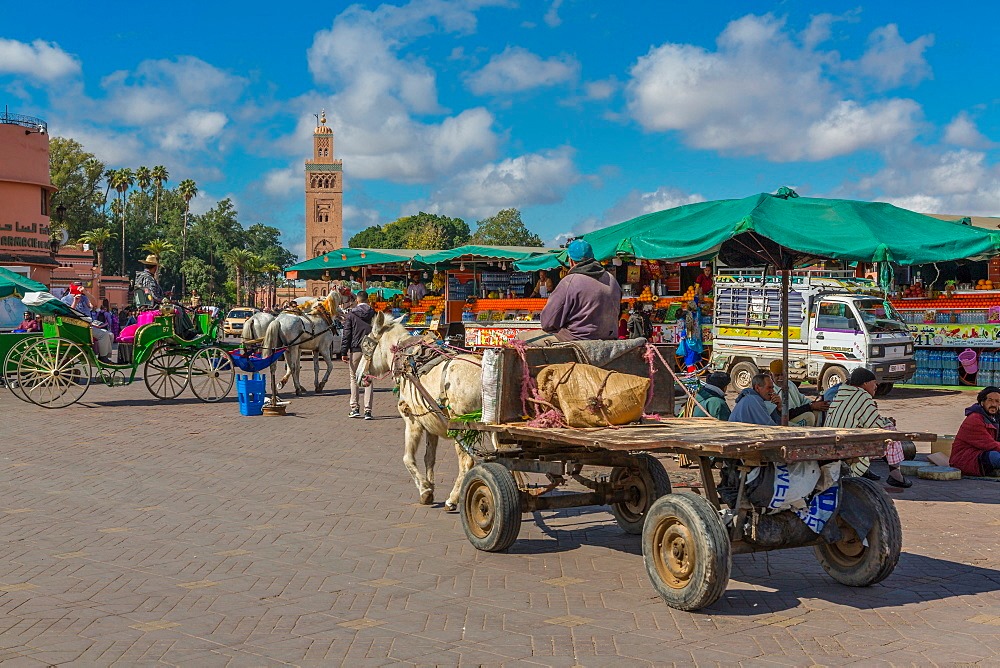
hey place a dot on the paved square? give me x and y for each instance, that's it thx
(180, 533)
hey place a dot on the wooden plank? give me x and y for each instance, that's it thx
(702, 436)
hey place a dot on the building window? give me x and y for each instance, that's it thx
(45, 202)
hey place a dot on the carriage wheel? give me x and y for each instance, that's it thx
(212, 374)
(645, 484)
(14, 355)
(490, 507)
(165, 372)
(686, 550)
(53, 373)
(849, 561)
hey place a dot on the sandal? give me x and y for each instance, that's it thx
(902, 484)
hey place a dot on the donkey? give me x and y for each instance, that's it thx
(456, 384)
(315, 330)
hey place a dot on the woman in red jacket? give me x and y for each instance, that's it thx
(976, 450)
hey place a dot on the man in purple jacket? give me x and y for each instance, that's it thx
(584, 306)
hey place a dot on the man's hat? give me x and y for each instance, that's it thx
(776, 367)
(579, 250)
(151, 261)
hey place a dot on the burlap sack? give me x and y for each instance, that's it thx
(589, 396)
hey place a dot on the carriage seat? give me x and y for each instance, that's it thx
(127, 335)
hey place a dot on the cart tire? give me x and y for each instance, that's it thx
(648, 482)
(54, 373)
(742, 374)
(10, 366)
(848, 561)
(165, 372)
(909, 450)
(490, 507)
(687, 551)
(883, 389)
(832, 376)
(211, 374)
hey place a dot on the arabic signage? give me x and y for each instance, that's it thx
(13, 235)
(956, 336)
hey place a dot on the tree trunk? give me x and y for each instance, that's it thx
(121, 197)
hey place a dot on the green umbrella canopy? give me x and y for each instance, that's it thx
(344, 258)
(13, 284)
(783, 230)
(480, 253)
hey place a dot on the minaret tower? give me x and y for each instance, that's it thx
(324, 200)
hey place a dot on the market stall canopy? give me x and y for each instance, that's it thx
(15, 285)
(387, 293)
(344, 258)
(479, 253)
(784, 229)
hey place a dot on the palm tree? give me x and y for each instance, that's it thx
(98, 238)
(239, 259)
(272, 271)
(188, 190)
(109, 177)
(159, 247)
(253, 273)
(160, 175)
(123, 179)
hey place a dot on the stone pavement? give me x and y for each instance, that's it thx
(138, 532)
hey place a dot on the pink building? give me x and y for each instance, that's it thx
(25, 189)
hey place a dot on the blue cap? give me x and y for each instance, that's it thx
(579, 250)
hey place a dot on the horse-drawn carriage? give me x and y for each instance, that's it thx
(54, 369)
(687, 538)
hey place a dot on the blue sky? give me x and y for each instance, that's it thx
(580, 113)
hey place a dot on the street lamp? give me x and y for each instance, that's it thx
(54, 241)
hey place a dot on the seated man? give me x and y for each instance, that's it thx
(976, 451)
(78, 300)
(584, 306)
(29, 324)
(801, 411)
(753, 405)
(712, 396)
(854, 408)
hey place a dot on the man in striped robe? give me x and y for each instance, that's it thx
(854, 408)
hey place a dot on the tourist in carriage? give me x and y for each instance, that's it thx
(78, 300)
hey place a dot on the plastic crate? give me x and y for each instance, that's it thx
(250, 390)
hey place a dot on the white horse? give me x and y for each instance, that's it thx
(456, 385)
(314, 330)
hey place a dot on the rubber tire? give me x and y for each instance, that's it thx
(827, 381)
(909, 450)
(505, 513)
(885, 540)
(747, 369)
(656, 482)
(711, 551)
(883, 389)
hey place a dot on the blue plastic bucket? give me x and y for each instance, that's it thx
(250, 390)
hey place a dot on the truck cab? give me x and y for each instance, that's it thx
(837, 323)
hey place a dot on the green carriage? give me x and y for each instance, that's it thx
(55, 369)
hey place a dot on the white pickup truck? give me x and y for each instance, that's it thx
(837, 323)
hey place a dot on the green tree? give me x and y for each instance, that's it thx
(408, 231)
(239, 260)
(504, 229)
(161, 248)
(201, 277)
(98, 238)
(77, 174)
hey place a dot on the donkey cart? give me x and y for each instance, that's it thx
(779, 487)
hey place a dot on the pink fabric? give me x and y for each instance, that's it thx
(145, 318)
(128, 334)
(894, 453)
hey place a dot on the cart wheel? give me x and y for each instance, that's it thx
(686, 550)
(54, 373)
(212, 374)
(849, 561)
(490, 507)
(742, 375)
(165, 372)
(14, 355)
(645, 484)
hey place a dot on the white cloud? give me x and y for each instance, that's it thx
(891, 61)
(527, 180)
(358, 218)
(193, 130)
(760, 93)
(635, 203)
(283, 182)
(39, 60)
(962, 131)
(551, 18)
(379, 92)
(517, 69)
(933, 181)
(600, 90)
